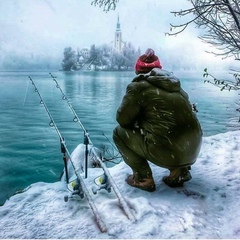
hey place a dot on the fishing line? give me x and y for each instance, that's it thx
(110, 142)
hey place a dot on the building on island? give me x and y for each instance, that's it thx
(116, 55)
(85, 53)
(119, 44)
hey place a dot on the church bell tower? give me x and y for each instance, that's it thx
(118, 37)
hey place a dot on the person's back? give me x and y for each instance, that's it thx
(161, 109)
(169, 132)
(165, 106)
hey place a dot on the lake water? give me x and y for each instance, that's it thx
(30, 148)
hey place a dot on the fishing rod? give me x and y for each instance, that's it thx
(122, 201)
(52, 124)
(76, 119)
(82, 188)
(87, 139)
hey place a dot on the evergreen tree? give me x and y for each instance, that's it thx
(69, 60)
(94, 56)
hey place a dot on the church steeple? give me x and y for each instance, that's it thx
(118, 25)
(118, 37)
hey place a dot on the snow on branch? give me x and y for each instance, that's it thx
(225, 84)
(106, 4)
(219, 19)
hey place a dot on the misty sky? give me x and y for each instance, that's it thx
(46, 27)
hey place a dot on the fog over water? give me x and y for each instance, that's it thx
(39, 30)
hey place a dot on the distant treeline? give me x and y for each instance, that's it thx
(100, 58)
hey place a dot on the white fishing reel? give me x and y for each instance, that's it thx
(102, 182)
(75, 188)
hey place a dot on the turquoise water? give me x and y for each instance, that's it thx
(30, 148)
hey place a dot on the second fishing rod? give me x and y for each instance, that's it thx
(83, 191)
(76, 119)
(107, 174)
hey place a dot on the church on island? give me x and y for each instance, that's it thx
(117, 45)
(117, 55)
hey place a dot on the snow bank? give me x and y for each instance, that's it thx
(206, 207)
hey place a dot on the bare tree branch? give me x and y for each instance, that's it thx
(220, 20)
(225, 84)
(106, 4)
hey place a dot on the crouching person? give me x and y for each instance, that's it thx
(156, 124)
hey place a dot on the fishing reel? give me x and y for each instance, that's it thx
(102, 182)
(74, 186)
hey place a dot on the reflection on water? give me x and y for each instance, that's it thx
(30, 148)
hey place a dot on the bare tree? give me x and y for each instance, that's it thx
(224, 84)
(221, 21)
(106, 4)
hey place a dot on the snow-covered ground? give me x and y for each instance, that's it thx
(206, 207)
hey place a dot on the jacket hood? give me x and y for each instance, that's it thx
(161, 79)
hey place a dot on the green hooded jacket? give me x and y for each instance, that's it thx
(156, 103)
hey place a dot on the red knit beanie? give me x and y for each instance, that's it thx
(147, 62)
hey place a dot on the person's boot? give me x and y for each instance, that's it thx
(177, 177)
(146, 183)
